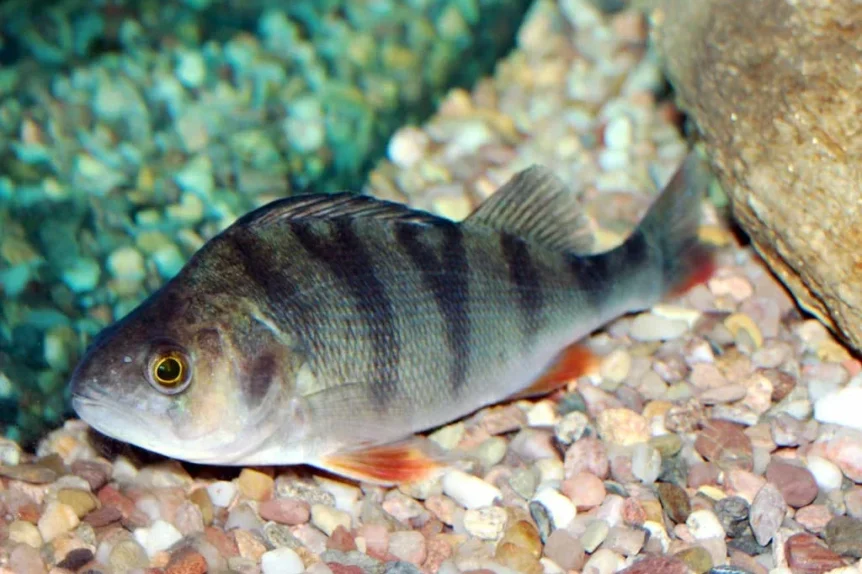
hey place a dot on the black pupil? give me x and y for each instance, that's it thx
(169, 370)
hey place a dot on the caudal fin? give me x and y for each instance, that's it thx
(670, 229)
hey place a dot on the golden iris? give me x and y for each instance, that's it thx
(169, 371)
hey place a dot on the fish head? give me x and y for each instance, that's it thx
(190, 378)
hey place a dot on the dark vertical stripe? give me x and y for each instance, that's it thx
(447, 278)
(275, 288)
(525, 277)
(347, 259)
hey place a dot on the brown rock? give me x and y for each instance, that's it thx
(103, 516)
(654, 564)
(186, 561)
(675, 501)
(724, 443)
(341, 540)
(795, 483)
(806, 554)
(773, 87)
(290, 511)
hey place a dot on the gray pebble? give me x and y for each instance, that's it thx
(766, 513)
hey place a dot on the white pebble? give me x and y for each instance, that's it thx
(615, 366)
(676, 312)
(408, 146)
(646, 463)
(221, 493)
(486, 523)
(651, 327)
(159, 536)
(559, 506)
(281, 561)
(191, 69)
(542, 414)
(604, 561)
(619, 133)
(469, 491)
(826, 473)
(550, 469)
(704, 524)
(127, 263)
(840, 407)
(345, 494)
(449, 436)
(327, 519)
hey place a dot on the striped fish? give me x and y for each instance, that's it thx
(328, 329)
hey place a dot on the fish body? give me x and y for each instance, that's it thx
(324, 329)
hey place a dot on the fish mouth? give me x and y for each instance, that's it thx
(147, 432)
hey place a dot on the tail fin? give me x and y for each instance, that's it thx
(670, 229)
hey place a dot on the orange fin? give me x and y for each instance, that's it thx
(702, 267)
(387, 464)
(574, 361)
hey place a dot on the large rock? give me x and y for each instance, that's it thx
(775, 87)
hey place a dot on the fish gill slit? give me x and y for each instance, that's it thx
(524, 275)
(446, 277)
(347, 259)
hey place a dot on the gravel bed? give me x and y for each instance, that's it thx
(719, 434)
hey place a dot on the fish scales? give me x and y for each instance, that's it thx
(324, 329)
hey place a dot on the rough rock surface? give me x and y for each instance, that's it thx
(776, 89)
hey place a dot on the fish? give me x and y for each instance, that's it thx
(333, 329)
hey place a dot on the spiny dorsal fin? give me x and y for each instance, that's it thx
(536, 205)
(331, 206)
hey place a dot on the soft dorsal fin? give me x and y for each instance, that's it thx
(536, 205)
(331, 206)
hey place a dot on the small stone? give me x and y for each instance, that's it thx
(565, 550)
(221, 493)
(839, 407)
(57, 519)
(517, 559)
(796, 483)
(25, 533)
(255, 485)
(81, 501)
(103, 516)
(585, 489)
(524, 535)
(667, 445)
(188, 518)
(327, 519)
(648, 327)
(697, 558)
(726, 394)
(571, 427)
(341, 540)
(587, 455)
(594, 535)
(814, 517)
(732, 512)
(187, 561)
(624, 540)
(675, 502)
(95, 473)
(615, 366)
(622, 427)
(468, 490)
(281, 561)
(826, 474)
(806, 554)
(408, 146)
(24, 558)
(766, 513)
(646, 463)
(725, 444)
(288, 511)
(542, 414)
(559, 507)
(654, 564)
(82, 275)
(704, 524)
(200, 497)
(76, 559)
(127, 555)
(486, 523)
(127, 263)
(408, 546)
(160, 536)
(740, 324)
(844, 535)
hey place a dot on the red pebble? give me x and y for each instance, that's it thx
(341, 540)
(288, 511)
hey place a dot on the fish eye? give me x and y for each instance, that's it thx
(169, 371)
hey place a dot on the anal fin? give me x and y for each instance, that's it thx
(572, 362)
(389, 464)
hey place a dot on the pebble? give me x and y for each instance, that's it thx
(826, 474)
(222, 493)
(486, 523)
(653, 564)
(585, 489)
(559, 507)
(697, 558)
(25, 533)
(565, 550)
(126, 555)
(704, 524)
(408, 545)
(517, 559)
(843, 535)
(160, 536)
(646, 463)
(725, 444)
(127, 263)
(281, 561)
(594, 535)
(675, 501)
(839, 407)
(615, 366)
(327, 519)
(732, 513)
(80, 501)
(571, 427)
(814, 517)
(624, 540)
(766, 513)
(285, 511)
(524, 535)
(255, 485)
(796, 483)
(187, 561)
(622, 427)
(57, 519)
(469, 491)
(648, 327)
(806, 554)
